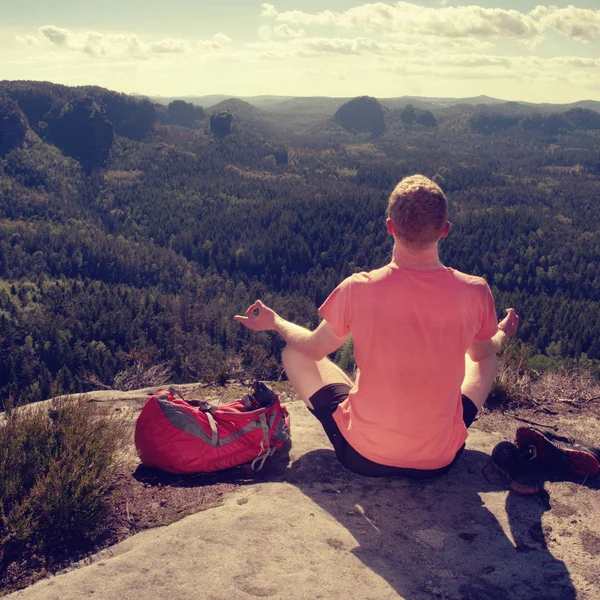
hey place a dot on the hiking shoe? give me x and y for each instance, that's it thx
(560, 453)
(519, 466)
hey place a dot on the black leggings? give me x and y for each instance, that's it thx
(325, 402)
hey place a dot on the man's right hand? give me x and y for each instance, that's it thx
(510, 323)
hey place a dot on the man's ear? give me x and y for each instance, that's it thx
(390, 227)
(446, 230)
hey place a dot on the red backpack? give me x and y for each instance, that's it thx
(174, 436)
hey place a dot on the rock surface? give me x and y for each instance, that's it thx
(311, 530)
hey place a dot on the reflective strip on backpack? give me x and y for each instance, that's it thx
(180, 418)
(234, 436)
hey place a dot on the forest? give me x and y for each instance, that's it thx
(131, 233)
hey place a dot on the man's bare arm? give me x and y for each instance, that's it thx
(480, 350)
(315, 344)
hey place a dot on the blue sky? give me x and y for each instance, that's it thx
(518, 50)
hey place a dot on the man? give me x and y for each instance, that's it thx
(425, 342)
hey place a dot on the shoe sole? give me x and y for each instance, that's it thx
(578, 462)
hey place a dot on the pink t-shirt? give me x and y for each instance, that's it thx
(411, 330)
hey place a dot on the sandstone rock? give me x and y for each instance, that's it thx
(13, 126)
(81, 130)
(220, 123)
(184, 113)
(362, 115)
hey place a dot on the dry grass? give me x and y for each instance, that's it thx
(140, 375)
(519, 385)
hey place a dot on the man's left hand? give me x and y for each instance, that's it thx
(258, 317)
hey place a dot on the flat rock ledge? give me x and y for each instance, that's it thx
(317, 531)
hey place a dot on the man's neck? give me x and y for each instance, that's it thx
(424, 259)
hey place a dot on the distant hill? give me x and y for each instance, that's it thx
(327, 106)
(590, 104)
(264, 102)
(236, 107)
(315, 105)
(433, 103)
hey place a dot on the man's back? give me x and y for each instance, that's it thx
(411, 329)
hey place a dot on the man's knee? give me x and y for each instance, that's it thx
(494, 363)
(287, 354)
(291, 357)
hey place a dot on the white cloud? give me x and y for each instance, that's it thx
(169, 46)
(55, 34)
(582, 24)
(221, 38)
(215, 43)
(121, 45)
(268, 10)
(29, 40)
(576, 61)
(516, 68)
(354, 46)
(285, 31)
(408, 18)
(321, 47)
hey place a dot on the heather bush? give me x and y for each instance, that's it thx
(56, 469)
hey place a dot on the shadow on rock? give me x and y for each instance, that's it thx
(440, 538)
(275, 469)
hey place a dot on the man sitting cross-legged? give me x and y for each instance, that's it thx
(425, 343)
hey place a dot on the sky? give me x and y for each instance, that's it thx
(513, 49)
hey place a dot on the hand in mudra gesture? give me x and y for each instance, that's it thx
(258, 317)
(510, 323)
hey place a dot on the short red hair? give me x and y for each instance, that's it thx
(419, 210)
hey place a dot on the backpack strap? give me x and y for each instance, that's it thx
(207, 408)
(265, 446)
(176, 392)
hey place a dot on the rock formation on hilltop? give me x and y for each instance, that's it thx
(410, 115)
(220, 123)
(39, 101)
(13, 126)
(362, 115)
(81, 130)
(131, 117)
(184, 113)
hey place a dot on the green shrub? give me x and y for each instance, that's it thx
(56, 467)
